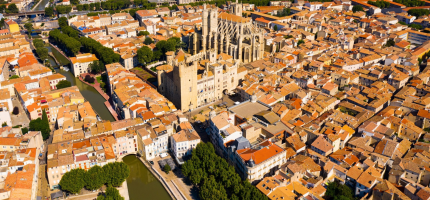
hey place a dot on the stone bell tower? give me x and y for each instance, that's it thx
(236, 9)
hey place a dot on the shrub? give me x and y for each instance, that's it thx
(89, 79)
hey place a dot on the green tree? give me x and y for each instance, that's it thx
(104, 54)
(62, 22)
(94, 178)
(24, 130)
(300, 42)
(3, 8)
(12, 8)
(97, 66)
(86, 7)
(416, 26)
(38, 43)
(116, 173)
(28, 27)
(418, 12)
(42, 53)
(336, 191)
(63, 84)
(49, 11)
(145, 33)
(156, 55)
(144, 55)
(46, 129)
(69, 44)
(73, 181)
(63, 9)
(80, 7)
(74, 2)
(357, 8)
(2, 22)
(167, 168)
(275, 28)
(390, 43)
(111, 194)
(13, 77)
(41, 125)
(211, 189)
(4, 124)
(148, 41)
(215, 178)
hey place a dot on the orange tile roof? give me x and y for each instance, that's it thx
(260, 155)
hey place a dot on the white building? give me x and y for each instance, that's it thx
(260, 160)
(80, 63)
(223, 130)
(183, 143)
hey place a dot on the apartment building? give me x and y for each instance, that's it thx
(183, 142)
(80, 63)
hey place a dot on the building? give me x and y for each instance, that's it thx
(245, 44)
(183, 142)
(260, 161)
(188, 88)
(12, 26)
(80, 63)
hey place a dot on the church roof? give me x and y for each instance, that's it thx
(233, 18)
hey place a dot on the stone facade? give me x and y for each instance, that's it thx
(228, 33)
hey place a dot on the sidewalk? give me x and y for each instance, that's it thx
(111, 110)
(175, 180)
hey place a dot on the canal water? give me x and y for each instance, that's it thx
(141, 183)
(90, 94)
(41, 6)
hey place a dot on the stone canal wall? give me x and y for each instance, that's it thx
(173, 194)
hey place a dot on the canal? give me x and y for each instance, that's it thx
(41, 5)
(90, 94)
(142, 184)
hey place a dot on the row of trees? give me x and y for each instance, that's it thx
(41, 125)
(41, 50)
(115, 4)
(71, 32)
(215, 178)
(379, 4)
(12, 8)
(418, 12)
(410, 3)
(69, 44)
(104, 54)
(111, 174)
(63, 9)
(145, 4)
